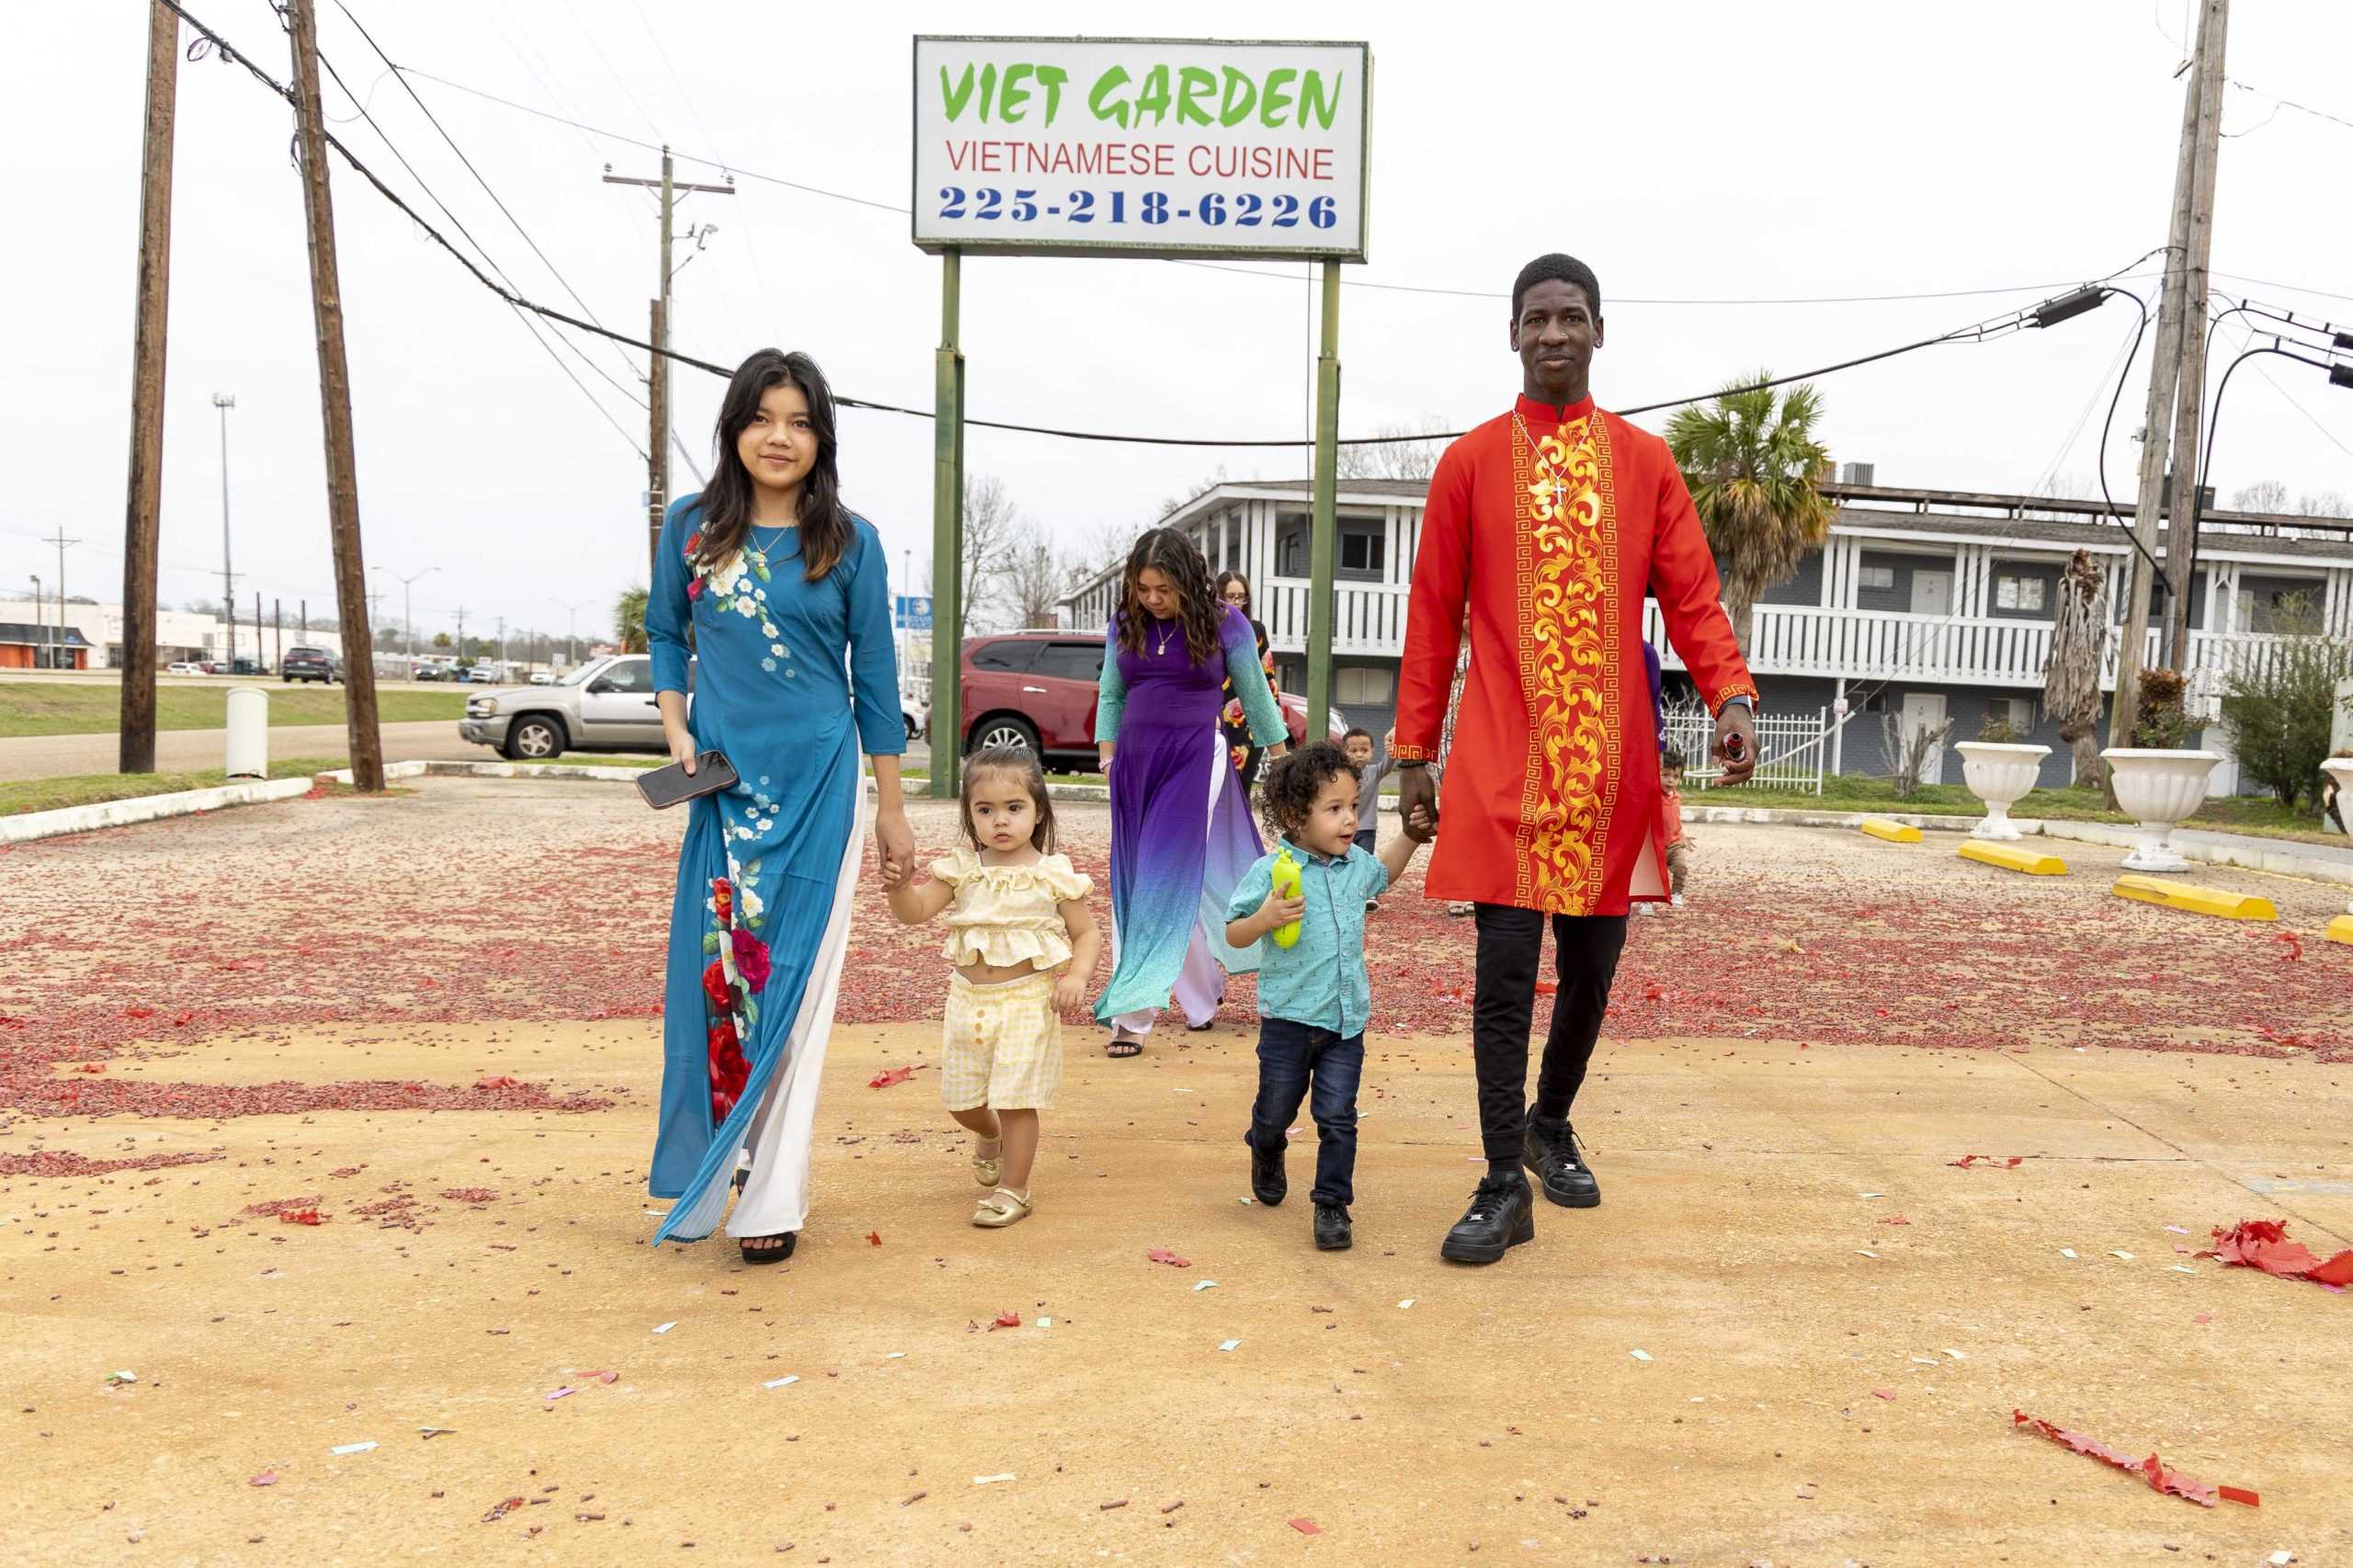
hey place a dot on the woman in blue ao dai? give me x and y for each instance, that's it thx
(778, 594)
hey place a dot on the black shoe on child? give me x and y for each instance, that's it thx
(1267, 1182)
(1333, 1232)
(1553, 1153)
(1501, 1216)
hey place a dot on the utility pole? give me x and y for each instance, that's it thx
(658, 477)
(259, 667)
(502, 646)
(408, 612)
(143, 510)
(571, 624)
(224, 401)
(39, 625)
(2189, 407)
(278, 628)
(335, 397)
(60, 540)
(2175, 316)
(461, 634)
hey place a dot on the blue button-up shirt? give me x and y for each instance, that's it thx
(1319, 979)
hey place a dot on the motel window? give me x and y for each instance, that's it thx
(1881, 577)
(2018, 593)
(1357, 685)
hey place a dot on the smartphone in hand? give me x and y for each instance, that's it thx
(666, 787)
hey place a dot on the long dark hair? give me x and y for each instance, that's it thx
(1022, 763)
(1226, 578)
(727, 499)
(1170, 552)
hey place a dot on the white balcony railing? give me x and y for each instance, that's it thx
(1796, 639)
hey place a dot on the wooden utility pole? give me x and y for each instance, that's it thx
(2156, 421)
(142, 512)
(658, 450)
(335, 398)
(2189, 406)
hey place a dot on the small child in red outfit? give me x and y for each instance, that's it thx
(1678, 849)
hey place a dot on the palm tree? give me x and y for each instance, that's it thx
(1755, 471)
(2071, 675)
(629, 614)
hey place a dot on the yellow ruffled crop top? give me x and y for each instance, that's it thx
(1008, 914)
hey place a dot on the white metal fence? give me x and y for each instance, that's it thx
(1789, 746)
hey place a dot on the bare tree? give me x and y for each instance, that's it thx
(2263, 496)
(1408, 452)
(992, 527)
(1909, 753)
(2071, 675)
(1033, 583)
(2324, 503)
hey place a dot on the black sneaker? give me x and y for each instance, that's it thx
(1501, 1216)
(1552, 1154)
(1267, 1182)
(1332, 1231)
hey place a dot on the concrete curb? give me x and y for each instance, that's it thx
(31, 825)
(2252, 856)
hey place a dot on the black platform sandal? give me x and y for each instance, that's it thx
(768, 1254)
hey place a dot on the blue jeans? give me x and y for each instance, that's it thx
(1291, 1058)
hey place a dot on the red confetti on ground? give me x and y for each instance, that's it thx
(267, 1478)
(1883, 1394)
(2151, 1469)
(2295, 944)
(1306, 1527)
(471, 1193)
(1896, 1219)
(500, 1510)
(299, 1216)
(890, 1075)
(1161, 1255)
(57, 1162)
(874, 1238)
(1005, 1320)
(503, 1081)
(278, 1206)
(2240, 1495)
(2263, 1243)
(1968, 1162)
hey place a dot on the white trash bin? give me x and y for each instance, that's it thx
(248, 733)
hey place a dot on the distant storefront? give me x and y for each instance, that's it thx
(24, 646)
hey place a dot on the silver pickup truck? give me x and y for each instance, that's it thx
(604, 705)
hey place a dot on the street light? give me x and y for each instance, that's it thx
(571, 616)
(224, 401)
(407, 618)
(39, 623)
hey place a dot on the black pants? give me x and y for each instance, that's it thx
(1511, 942)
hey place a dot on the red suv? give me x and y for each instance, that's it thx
(1038, 689)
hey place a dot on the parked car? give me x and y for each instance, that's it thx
(184, 667)
(1038, 689)
(480, 674)
(606, 704)
(428, 672)
(309, 664)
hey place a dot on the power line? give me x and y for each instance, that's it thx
(469, 162)
(529, 325)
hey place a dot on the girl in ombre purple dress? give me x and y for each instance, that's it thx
(1181, 831)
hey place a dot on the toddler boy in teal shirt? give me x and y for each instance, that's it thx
(1314, 998)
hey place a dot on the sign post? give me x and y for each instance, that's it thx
(948, 541)
(1134, 147)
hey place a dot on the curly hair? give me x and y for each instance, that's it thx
(1199, 609)
(1287, 794)
(1021, 762)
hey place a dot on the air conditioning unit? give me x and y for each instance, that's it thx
(1857, 474)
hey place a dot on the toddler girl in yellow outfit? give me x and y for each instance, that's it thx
(1024, 945)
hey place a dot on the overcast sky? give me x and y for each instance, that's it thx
(1688, 152)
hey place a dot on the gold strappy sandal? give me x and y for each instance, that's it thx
(987, 1168)
(1002, 1208)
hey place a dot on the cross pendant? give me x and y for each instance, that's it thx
(1560, 492)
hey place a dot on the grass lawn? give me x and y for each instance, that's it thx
(2263, 817)
(40, 708)
(89, 788)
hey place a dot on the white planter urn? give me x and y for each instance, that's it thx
(2158, 789)
(2000, 775)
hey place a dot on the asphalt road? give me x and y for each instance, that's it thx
(179, 751)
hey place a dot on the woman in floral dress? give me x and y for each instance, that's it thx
(783, 596)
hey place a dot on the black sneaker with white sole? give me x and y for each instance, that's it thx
(1553, 1153)
(1502, 1215)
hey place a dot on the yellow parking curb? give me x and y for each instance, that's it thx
(1894, 832)
(2194, 898)
(2340, 929)
(2014, 857)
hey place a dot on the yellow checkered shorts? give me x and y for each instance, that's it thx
(1002, 1044)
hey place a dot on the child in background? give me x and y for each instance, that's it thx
(1314, 998)
(1678, 849)
(1017, 916)
(1358, 744)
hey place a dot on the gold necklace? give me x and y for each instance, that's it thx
(1165, 638)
